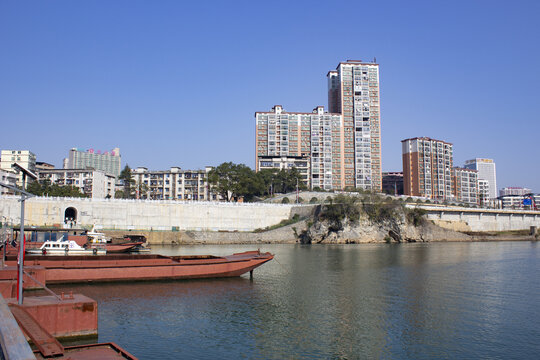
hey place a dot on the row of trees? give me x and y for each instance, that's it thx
(45, 188)
(232, 181)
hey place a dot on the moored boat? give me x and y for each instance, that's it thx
(73, 269)
(95, 237)
(63, 247)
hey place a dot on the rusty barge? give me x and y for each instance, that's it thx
(106, 268)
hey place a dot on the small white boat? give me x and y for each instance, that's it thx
(62, 247)
(95, 237)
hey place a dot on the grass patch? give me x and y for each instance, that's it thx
(296, 218)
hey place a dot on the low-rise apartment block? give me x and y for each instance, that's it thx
(514, 190)
(525, 202)
(7, 178)
(25, 158)
(173, 184)
(95, 184)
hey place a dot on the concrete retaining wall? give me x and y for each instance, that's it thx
(466, 219)
(150, 215)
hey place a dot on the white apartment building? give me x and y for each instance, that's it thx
(466, 185)
(526, 202)
(95, 184)
(8, 178)
(486, 171)
(483, 192)
(109, 162)
(173, 184)
(25, 158)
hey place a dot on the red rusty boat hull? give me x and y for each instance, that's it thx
(77, 269)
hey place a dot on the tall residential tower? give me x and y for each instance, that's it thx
(308, 141)
(427, 168)
(353, 91)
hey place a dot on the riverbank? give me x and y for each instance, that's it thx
(290, 234)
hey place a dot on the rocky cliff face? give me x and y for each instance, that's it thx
(395, 229)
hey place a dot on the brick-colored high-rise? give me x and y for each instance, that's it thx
(427, 168)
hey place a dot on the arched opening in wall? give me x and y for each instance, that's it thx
(70, 217)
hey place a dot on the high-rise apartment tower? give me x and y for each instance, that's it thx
(427, 168)
(353, 91)
(308, 141)
(106, 161)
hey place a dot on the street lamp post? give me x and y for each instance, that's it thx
(24, 196)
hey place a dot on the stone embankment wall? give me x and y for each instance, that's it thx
(283, 235)
(150, 215)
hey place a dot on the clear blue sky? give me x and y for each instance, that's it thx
(177, 83)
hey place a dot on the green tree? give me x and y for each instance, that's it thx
(281, 181)
(45, 188)
(232, 181)
(127, 180)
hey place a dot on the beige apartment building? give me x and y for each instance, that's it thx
(173, 184)
(308, 141)
(25, 158)
(353, 91)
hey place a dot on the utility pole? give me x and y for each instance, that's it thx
(297, 194)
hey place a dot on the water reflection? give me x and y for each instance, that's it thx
(348, 301)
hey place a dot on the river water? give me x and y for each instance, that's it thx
(403, 301)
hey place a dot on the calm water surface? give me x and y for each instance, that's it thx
(409, 301)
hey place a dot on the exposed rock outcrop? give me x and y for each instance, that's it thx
(396, 228)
